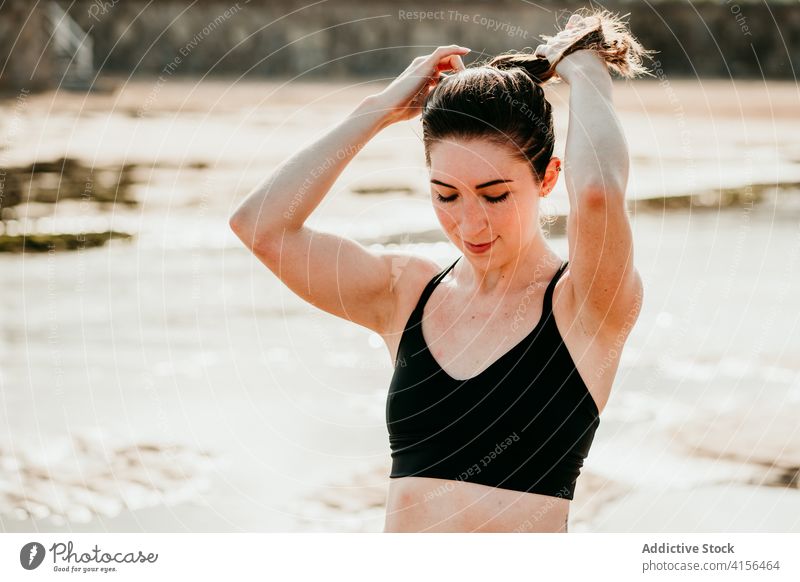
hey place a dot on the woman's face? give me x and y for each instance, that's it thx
(482, 194)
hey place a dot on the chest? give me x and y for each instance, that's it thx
(467, 341)
(467, 338)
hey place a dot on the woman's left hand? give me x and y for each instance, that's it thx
(583, 59)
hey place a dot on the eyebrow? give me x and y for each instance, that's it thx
(478, 187)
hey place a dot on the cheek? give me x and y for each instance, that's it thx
(515, 219)
(446, 219)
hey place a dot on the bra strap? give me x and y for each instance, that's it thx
(426, 293)
(548, 293)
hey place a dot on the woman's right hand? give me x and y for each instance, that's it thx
(555, 47)
(404, 97)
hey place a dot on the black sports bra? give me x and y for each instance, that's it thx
(525, 423)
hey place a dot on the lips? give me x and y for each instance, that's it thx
(479, 248)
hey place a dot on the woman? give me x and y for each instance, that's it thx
(486, 435)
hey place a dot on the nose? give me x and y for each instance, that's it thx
(474, 222)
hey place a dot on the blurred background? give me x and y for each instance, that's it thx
(155, 376)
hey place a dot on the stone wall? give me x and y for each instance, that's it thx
(23, 38)
(744, 39)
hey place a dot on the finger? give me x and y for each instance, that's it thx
(446, 51)
(449, 49)
(573, 20)
(440, 53)
(570, 32)
(451, 63)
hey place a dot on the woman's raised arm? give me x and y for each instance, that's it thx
(335, 273)
(606, 286)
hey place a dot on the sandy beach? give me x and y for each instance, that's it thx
(169, 382)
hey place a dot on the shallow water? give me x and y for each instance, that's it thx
(180, 338)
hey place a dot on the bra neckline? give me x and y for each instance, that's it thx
(539, 324)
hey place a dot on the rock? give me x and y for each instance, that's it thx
(753, 433)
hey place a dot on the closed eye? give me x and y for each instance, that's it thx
(495, 200)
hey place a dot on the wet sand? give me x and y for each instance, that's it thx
(117, 359)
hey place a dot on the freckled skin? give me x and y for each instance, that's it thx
(420, 504)
(471, 216)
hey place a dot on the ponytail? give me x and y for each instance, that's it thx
(606, 34)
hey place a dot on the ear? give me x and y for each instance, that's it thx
(550, 176)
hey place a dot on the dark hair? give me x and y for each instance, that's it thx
(502, 100)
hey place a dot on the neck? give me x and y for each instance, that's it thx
(495, 278)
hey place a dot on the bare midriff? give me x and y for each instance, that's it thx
(422, 504)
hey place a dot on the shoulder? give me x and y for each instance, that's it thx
(410, 274)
